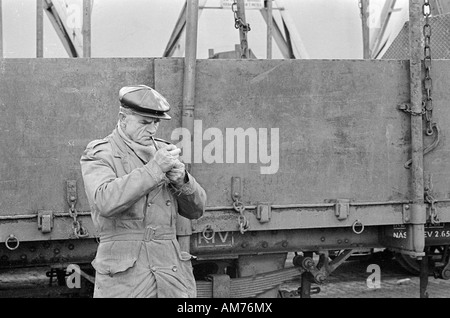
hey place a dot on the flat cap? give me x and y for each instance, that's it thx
(144, 101)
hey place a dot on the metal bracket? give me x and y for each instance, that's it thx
(342, 209)
(406, 213)
(411, 214)
(71, 187)
(220, 286)
(45, 221)
(263, 212)
(236, 188)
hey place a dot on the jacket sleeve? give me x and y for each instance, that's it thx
(191, 198)
(107, 193)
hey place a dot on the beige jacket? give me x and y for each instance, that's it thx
(133, 202)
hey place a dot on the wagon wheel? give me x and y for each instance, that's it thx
(412, 265)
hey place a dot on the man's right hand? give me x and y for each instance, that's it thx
(167, 157)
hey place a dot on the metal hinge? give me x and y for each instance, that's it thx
(45, 221)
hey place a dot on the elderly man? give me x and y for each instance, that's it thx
(136, 185)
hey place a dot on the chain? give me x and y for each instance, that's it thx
(78, 230)
(238, 23)
(428, 104)
(244, 223)
(429, 198)
(244, 27)
(428, 82)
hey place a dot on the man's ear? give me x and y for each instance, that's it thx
(122, 116)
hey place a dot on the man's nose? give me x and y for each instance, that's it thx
(152, 128)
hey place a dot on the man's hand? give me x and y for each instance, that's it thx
(177, 174)
(167, 157)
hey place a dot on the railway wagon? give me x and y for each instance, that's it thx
(304, 156)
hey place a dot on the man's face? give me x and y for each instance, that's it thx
(140, 129)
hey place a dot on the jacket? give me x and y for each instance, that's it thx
(133, 202)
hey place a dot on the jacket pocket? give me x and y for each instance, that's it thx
(115, 257)
(186, 270)
(112, 266)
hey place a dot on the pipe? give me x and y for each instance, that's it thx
(184, 226)
(416, 230)
(365, 28)
(269, 29)
(87, 8)
(1, 29)
(39, 29)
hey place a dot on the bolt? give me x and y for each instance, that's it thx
(407, 207)
(320, 278)
(265, 244)
(23, 257)
(71, 246)
(284, 244)
(339, 241)
(56, 251)
(308, 263)
(244, 244)
(346, 240)
(322, 239)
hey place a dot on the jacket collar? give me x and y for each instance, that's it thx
(120, 149)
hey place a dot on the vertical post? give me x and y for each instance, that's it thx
(1, 29)
(305, 288)
(184, 227)
(87, 28)
(416, 228)
(424, 277)
(364, 5)
(242, 32)
(39, 28)
(269, 29)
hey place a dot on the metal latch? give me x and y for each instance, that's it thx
(342, 209)
(71, 190)
(263, 212)
(236, 188)
(45, 221)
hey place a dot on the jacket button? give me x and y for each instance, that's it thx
(174, 268)
(149, 204)
(168, 203)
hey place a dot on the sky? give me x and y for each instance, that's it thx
(328, 29)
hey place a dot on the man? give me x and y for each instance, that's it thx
(136, 185)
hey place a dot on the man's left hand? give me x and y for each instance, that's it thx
(177, 174)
